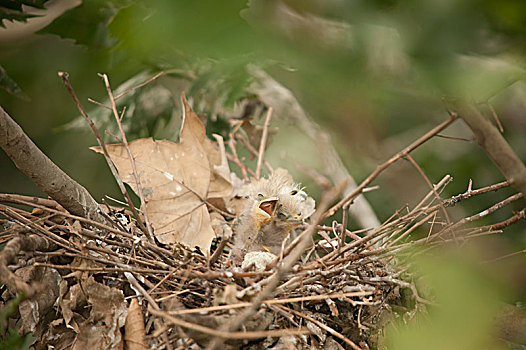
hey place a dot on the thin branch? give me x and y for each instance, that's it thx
(515, 218)
(64, 77)
(235, 159)
(469, 193)
(272, 302)
(426, 179)
(253, 151)
(263, 142)
(227, 335)
(148, 231)
(495, 117)
(351, 196)
(140, 85)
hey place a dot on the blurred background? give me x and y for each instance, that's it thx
(375, 75)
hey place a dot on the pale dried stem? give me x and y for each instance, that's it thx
(263, 142)
(148, 231)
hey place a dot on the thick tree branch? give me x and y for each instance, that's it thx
(44, 173)
(494, 144)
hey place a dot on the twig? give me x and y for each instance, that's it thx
(481, 214)
(242, 167)
(15, 198)
(426, 179)
(140, 85)
(148, 230)
(388, 163)
(345, 217)
(470, 192)
(227, 335)
(495, 146)
(495, 117)
(453, 138)
(98, 103)
(323, 326)
(263, 142)
(272, 302)
(501, 225)
(64, 77)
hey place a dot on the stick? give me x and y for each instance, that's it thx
(64, 77)
(148, 231)
(351, 196)
(263, 142)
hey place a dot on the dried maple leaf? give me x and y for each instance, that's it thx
(176, 179)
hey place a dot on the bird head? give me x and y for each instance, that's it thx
(266, 208)
(284, 217)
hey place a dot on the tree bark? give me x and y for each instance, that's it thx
(44, 173)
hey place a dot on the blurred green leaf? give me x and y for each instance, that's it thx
(14, 341)
(87, 23)
(10, 85)
(467, 303)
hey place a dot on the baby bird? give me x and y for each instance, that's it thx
(276, 205)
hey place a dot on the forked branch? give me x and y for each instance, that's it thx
(44, 173)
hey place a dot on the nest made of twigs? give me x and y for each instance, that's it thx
(82, 274)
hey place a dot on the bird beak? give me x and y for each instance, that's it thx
(294, 222)
(269, 205)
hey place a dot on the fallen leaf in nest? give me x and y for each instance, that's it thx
(97, 313)
(134, 334)
(35, 313)
(176, 180)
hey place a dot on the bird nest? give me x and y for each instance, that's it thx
(78, 282)
(82, 280)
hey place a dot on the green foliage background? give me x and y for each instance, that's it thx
(374, 73)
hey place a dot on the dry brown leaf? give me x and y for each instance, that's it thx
(134, 334)
(176, 179)
(107, 315)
